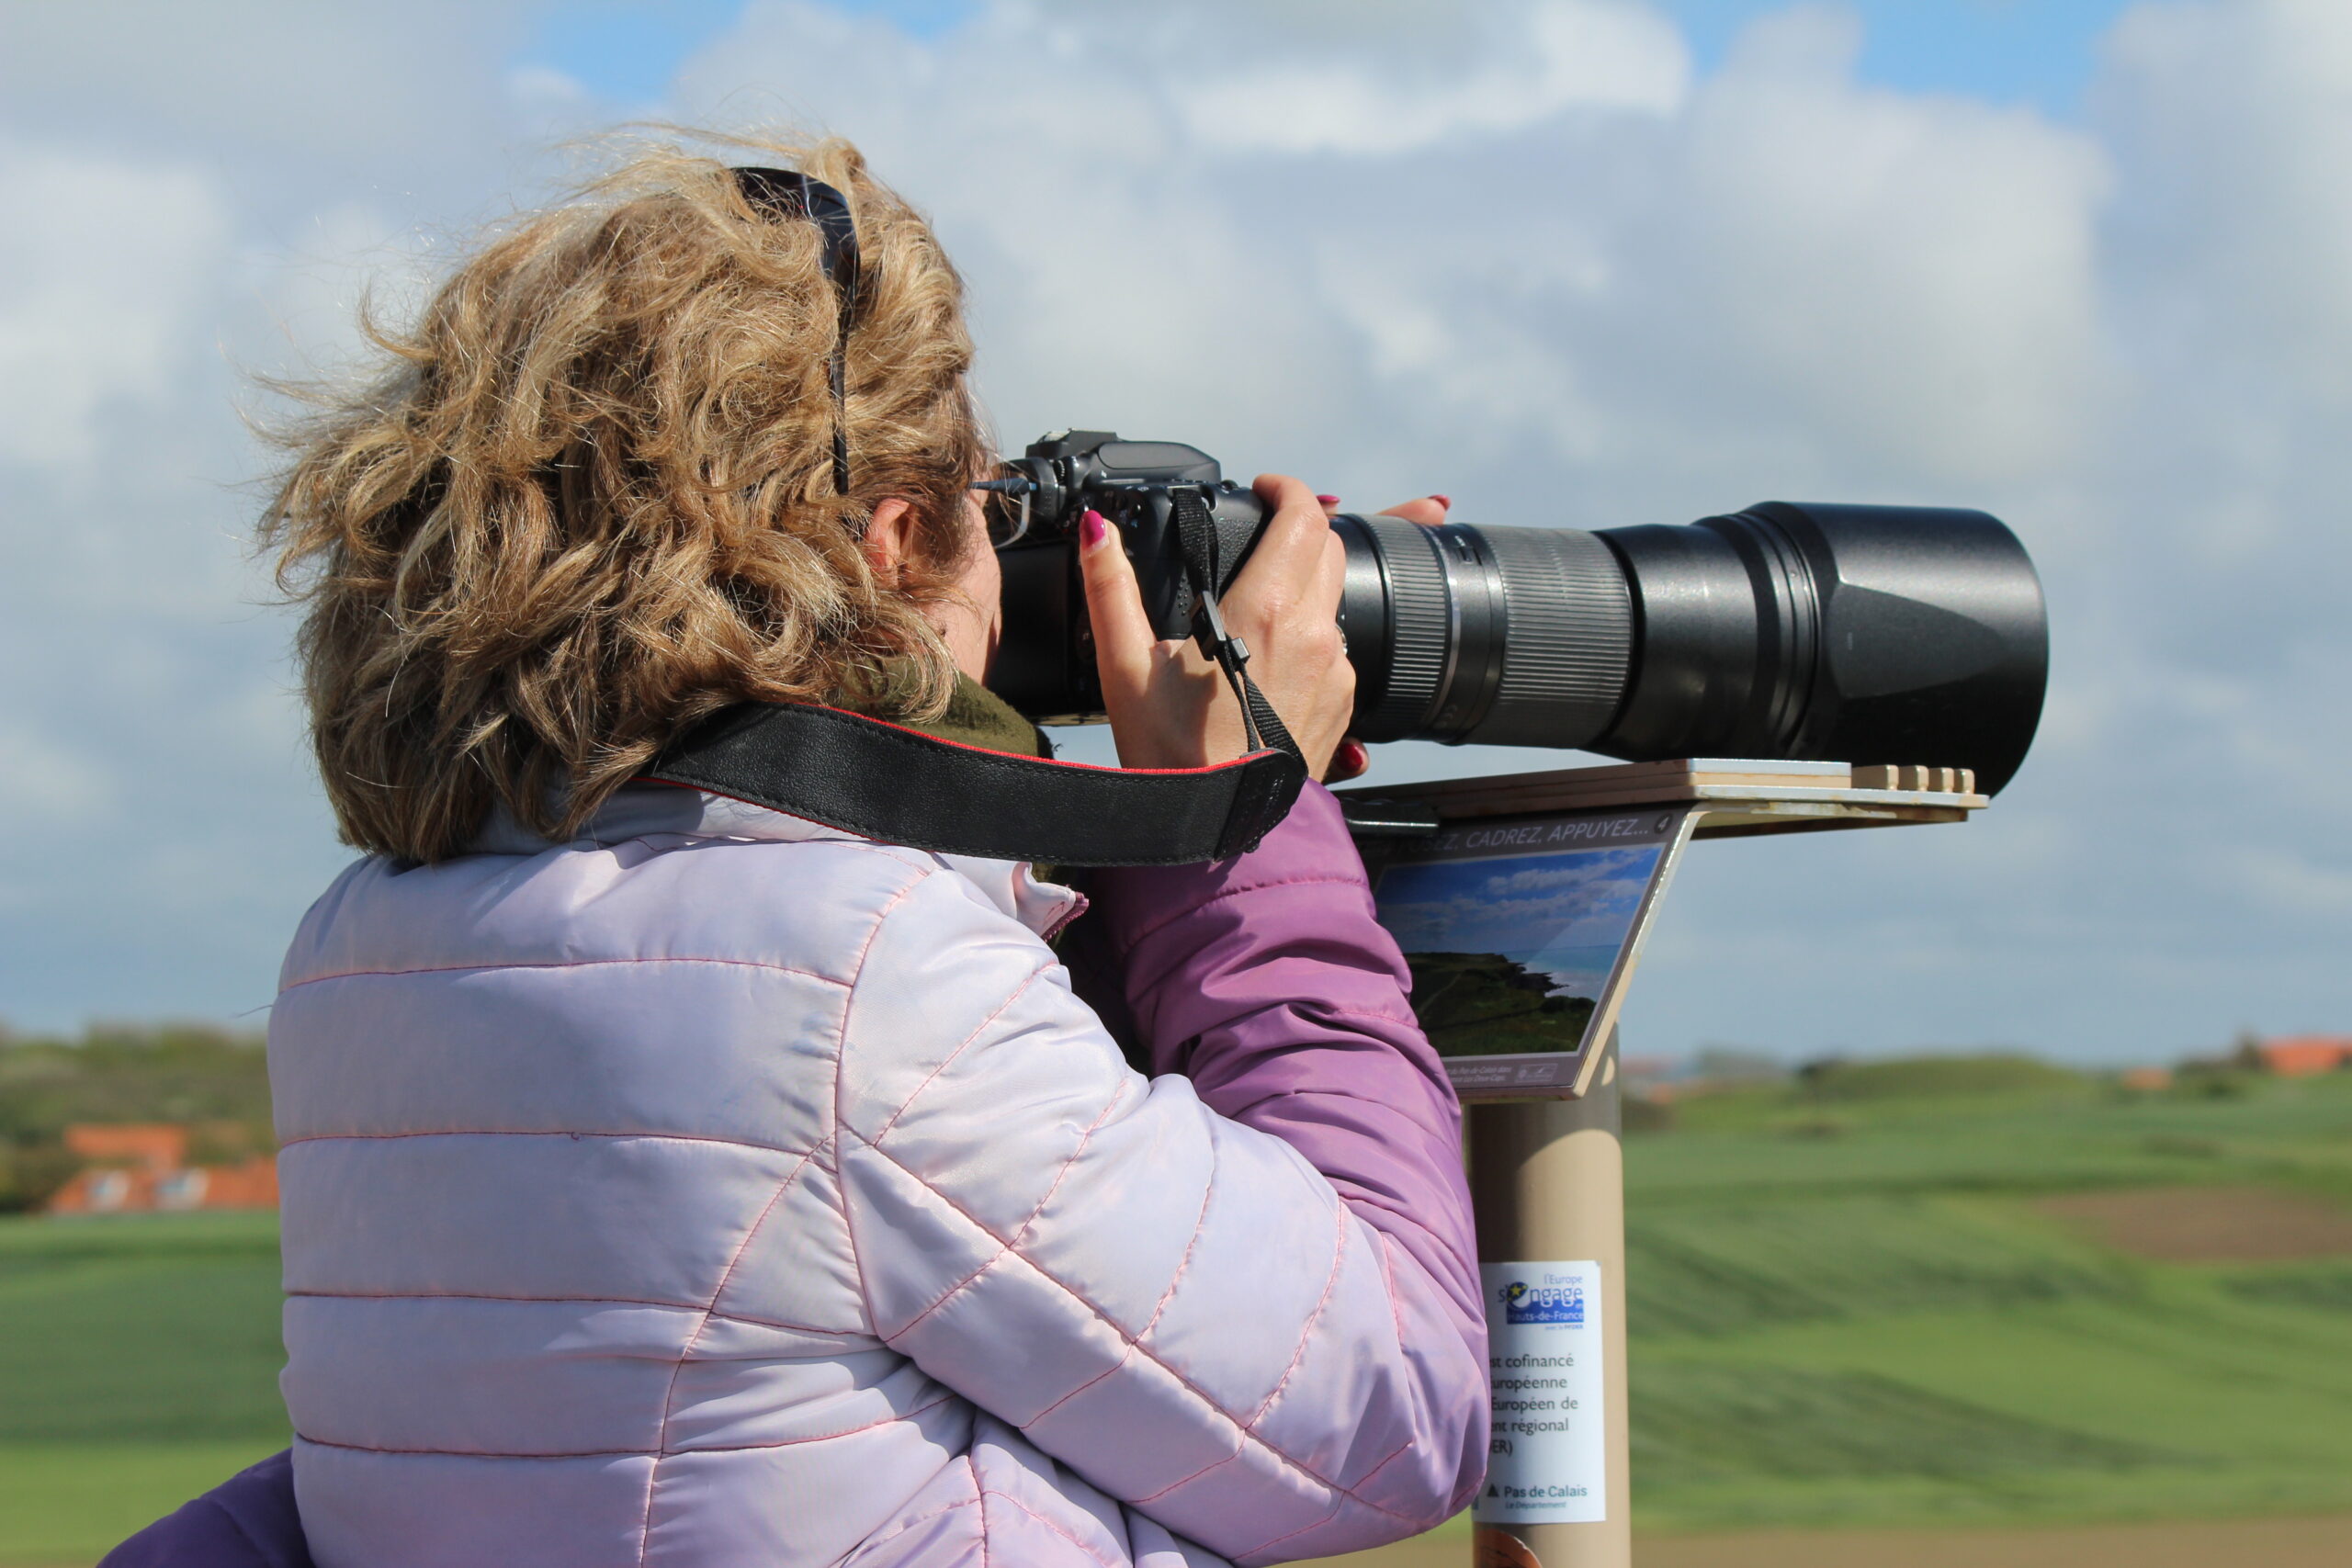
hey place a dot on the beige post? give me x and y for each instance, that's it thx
(1547, 1178)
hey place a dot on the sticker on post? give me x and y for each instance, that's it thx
(1548, 1461)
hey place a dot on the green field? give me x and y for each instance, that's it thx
(138, 1363)
(1854, 1303)
(1856, 1307)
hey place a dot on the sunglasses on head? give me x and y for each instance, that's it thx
(785, 195)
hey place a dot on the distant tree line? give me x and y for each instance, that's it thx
(1985, 1072)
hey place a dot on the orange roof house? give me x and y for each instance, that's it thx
(138, 1167)
(2306, 1056)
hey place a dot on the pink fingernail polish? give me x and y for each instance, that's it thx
(1445, 500)
(1329, 499)
(1091, 529)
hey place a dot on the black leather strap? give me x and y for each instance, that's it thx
(1197, 537)
(876, 779)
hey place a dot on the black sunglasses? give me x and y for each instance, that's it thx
(786, 194)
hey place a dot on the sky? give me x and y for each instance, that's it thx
(1566, 914)
(1575, 263)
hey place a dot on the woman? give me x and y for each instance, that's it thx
(670, 1180)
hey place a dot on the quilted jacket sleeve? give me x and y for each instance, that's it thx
(248, 1522)
(1273, 1360)
(1267, 982)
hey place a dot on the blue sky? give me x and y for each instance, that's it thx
(2036, 51)
(2033, 52)
(626, 50)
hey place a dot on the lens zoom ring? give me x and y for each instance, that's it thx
(1571, 634)
(1417, 629)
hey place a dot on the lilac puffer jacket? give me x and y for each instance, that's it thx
(728, 1189)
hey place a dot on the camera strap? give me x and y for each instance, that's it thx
(879, 780)
(1262, 728)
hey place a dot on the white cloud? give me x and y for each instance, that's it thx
(337, 91)
(1541, 232)
(2239, 119)
(1540, 61)
(176, 178)
(101, 265)
(2301, 882)
(42, 779)
(1915, 275)
(305, 291)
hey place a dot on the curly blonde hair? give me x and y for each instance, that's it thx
(589, 498)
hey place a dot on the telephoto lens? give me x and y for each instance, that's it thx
(1849, 634)
(1853, 634)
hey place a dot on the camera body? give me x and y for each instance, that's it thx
(1045, 660)
(1799, 632)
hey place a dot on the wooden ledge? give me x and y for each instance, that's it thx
(1734, 796)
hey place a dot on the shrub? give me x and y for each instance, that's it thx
(31, 1173)
(1924, 1077)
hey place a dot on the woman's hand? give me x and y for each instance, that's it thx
(1170, 706)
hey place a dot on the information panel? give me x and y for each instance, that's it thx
(1522, 936)
(1548, 1458)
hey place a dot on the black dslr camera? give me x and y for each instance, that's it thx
(1136, 485)
(1853, 634)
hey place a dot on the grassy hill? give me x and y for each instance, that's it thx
(1882, 1302)
(1954, 1294)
